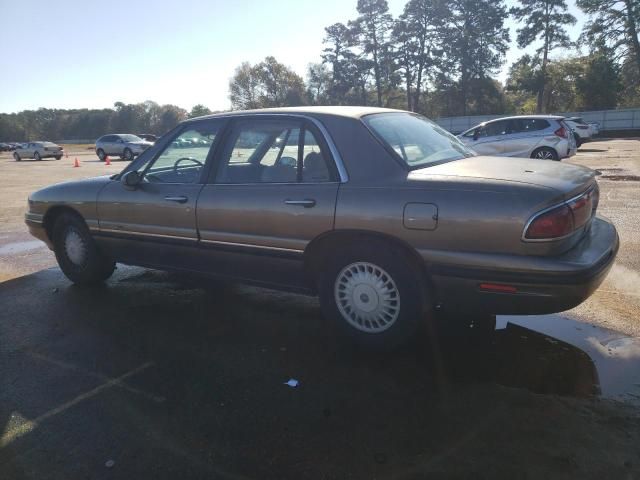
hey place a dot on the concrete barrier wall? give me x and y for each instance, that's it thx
(623, 119)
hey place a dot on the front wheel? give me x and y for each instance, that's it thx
(545, 153)
(101, 154)
(37, 156)
(128, 154)
(77, 253)
(374, 294)
(16, 157)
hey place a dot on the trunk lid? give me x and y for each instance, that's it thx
(567, 179)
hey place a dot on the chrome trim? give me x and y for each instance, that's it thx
(337, 158)
(250, 245)
(548, 209)
(142, 234)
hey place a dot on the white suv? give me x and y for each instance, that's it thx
(535, 136)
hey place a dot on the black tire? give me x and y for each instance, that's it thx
(16, 156)
(404, 281)
(127, 154)
(101, 154)
(578, 140)
(545, 153)
(87, 268)
(36, 156)
(58, 157)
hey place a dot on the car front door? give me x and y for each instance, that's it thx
(272, 191)
(153, 222)
(488, 139)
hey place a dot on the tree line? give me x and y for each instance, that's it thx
(89, 124)
(439, 58)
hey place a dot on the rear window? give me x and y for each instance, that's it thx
(130, 138)
(418, 142)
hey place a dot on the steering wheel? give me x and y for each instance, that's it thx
(184, 159)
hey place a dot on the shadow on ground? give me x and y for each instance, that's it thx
(172, 378)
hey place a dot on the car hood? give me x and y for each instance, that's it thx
(143, 143)
(566, 179)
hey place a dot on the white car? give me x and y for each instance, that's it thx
(533, 136)
(38, 151)
(581, 130)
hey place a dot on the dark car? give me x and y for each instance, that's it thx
(382, 213)
(149, 137)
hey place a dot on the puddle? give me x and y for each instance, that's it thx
(615, 357)
(19, 247)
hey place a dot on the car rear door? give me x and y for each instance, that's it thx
(272, 191)
(522, 137)
(155, 222)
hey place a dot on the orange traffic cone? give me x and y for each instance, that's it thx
(76, 163)
(107, 160)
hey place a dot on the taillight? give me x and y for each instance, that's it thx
(564, 219)
(581, 209)
(552, 224)
(561, 132)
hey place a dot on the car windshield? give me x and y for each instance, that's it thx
(131, 138)
(417, 141)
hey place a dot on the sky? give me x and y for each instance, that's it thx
(89, 54)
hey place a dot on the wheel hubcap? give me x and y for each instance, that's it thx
(367, 297)
(74, 247)
(545, 155)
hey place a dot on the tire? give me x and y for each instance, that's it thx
(58, 157)
(545, 153)
(578, 140)
(351, 285)
(127, 154)
(16, 156)
(36, 156)
(101, 154)
(77, 253)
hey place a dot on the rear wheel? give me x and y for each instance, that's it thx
(16, 156)
(77, 253)
(128, 154)
(58, 157)
(101, 154)
(37, 156)
(545, 153)
(374, 295)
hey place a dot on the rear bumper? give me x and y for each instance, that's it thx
(535, 285)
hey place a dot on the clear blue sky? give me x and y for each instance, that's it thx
(73, 53)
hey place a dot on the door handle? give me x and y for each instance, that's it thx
(178, 199)
(306, 203)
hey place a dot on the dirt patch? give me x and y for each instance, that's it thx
(622, 178)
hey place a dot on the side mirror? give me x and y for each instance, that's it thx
(131, 179)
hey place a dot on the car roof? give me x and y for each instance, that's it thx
(338, 111)
(544, 117)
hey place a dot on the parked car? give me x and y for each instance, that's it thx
(5, 147)
(123, 145)
(595, 128)
(38, 151)
(581, 131)
(149, 137)
(545, 137)
(382, 213)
